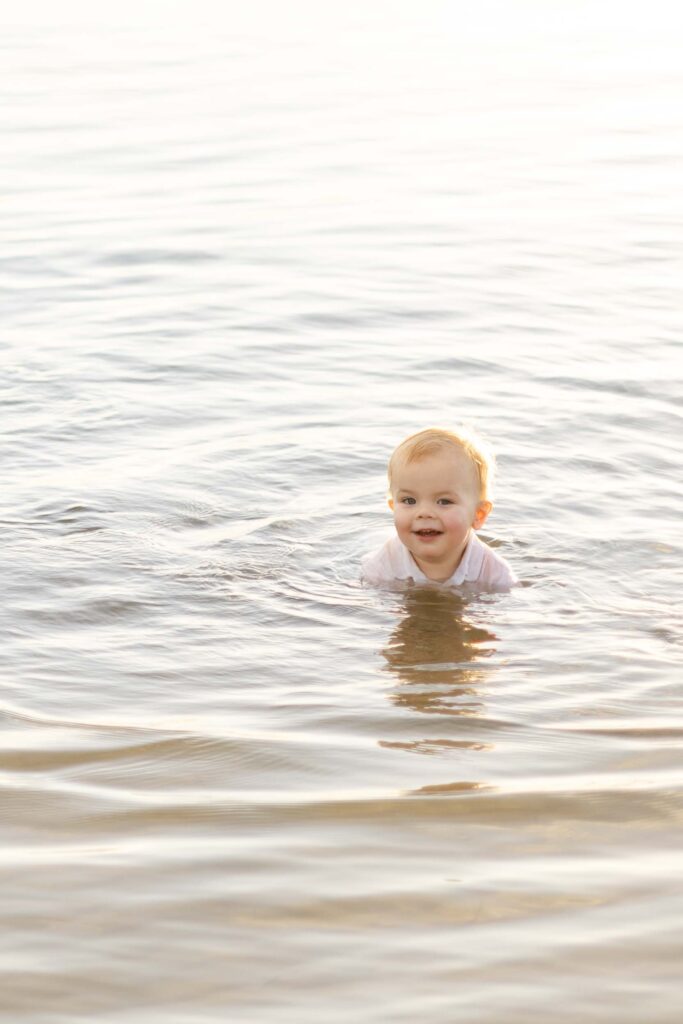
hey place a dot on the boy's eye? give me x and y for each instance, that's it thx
(407, 501)
(446, 501)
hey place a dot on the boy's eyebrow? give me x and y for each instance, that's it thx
(439, 494)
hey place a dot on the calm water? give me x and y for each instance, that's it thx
(244, 253)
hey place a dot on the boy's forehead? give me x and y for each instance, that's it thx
(450, 465)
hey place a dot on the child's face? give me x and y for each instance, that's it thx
(435, 503)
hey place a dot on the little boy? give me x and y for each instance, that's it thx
(439, 486)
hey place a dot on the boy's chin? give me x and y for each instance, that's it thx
(428, 557)
(426, 552)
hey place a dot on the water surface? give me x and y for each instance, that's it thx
(245, 253)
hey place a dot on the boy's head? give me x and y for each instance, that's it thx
(434, 441)
(439, 489)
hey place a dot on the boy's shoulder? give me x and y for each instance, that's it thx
(487, 567)
(389, 562)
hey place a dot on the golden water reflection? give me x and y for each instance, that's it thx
(437, 654)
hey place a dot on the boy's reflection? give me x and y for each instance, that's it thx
(437, 654)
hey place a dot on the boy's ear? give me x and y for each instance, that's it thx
(390, 503)
(482, 514)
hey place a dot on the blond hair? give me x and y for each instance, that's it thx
(434, 439)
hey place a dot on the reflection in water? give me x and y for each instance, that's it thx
(451, 789)
(439, 655)
(435, 746)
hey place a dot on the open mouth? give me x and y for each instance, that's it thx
(428, 533)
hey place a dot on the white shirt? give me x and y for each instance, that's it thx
(479, 564)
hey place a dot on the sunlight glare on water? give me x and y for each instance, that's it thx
(247, 249)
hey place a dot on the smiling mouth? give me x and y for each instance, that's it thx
(428, 533)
